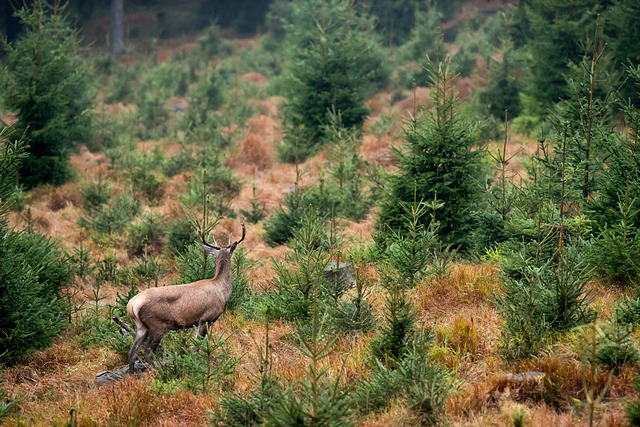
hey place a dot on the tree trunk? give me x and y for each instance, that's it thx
(117, 27)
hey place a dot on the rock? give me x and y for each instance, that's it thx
(109, 377)
(524, 377)
(345, 273)
(289, 189)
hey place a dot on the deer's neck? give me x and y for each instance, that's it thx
(223, 274)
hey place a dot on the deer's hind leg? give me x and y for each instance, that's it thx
(141, 335)
(150, 348)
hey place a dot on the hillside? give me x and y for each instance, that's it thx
(199, 124)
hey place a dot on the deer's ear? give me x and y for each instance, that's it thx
(211, 251)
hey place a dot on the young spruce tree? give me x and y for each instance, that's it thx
(49, 86)
(440, 161)
(34, 272)
(334, 67)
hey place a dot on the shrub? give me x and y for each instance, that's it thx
(632, 409)
(7, 405)
(208, 363)
(422, 386)
(545, 301)
(50, 87)
(616, 348)
(34, 272)
(335, 66)
(249, 411)
(95, 194)
(256, 212)
(301, 275)
(194, 264)
(145, 173)
(628, 311)
(281, 224)
(221, 186)
(317, 399)
(147, 269)
(32, 307)
(441, 161)
(213, 43)
(80, 263)
(204, 101)
(146, 235)
(180, 234)
(113, 217)
(355, 313)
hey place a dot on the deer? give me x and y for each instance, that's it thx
(158, 310)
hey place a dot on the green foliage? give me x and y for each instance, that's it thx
(34, 272)
(416, 382)
(399, 322)
(212, 43)
(406, 257)
(12, 152)
(315, 401)
(476, 38)
(628, 311)
(121, 84)
(503, 92)
(7, 405)
(196, 363)
(302, 273)
(194, 264)
(155, 85)
(632, 409)
(107, 268)
(221, 186)
(614, 207)
(237, 410)
(249, 411)
(615, 253)
(32, 310)
(204, 101)
(409, 253)
(556, 30)
(180, 234)
(544, 300)
(95, 194)
(281, 224)
(616, 348)
(147, 269)
(241, 291)
(498, 205)
(397, 19)
(422, 45)
(146, 235)
(256, 212)
(80, 262)
(441, 161)
(588, 346)
(181, 162)
(620, 30)
(355, 314)
(145, 173)
(336, 64)
(49, 86)
(96, 328)
(113, 217)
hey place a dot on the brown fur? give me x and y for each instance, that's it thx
(158, 310)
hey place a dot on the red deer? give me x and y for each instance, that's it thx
(158, 310)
